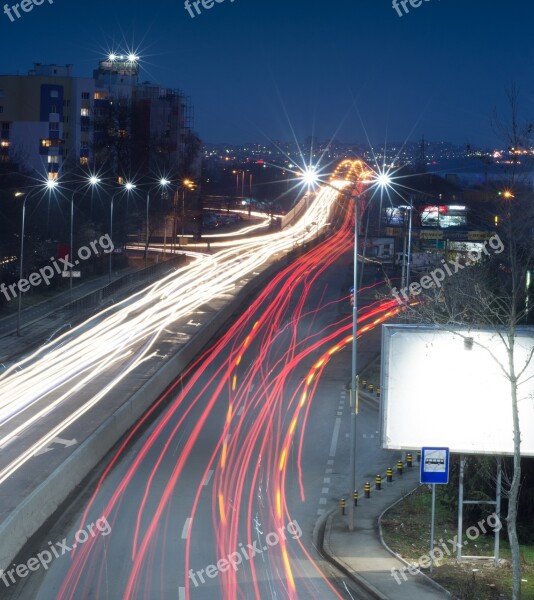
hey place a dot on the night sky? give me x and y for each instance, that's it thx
(264, 69)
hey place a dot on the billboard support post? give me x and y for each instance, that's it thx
(460, 508)
(498, 509)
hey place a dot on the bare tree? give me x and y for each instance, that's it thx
(490, 289)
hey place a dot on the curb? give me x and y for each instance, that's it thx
(434, 584)
(325, 523)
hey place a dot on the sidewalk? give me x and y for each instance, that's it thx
(361, 554)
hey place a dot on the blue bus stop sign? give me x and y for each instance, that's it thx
(434, 465)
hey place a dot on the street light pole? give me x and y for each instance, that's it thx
(71, 244)
(21, 261)
(354, 376)
(147, 227)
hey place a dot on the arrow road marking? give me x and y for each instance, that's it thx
(57, 440)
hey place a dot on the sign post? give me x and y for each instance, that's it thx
(434, 470)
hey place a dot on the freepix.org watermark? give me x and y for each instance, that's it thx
(55, 550)
(48, 272)
(404, 3)
(437, 276)
(233, 560)
(206, 4)
(25, 6)
(447, 548)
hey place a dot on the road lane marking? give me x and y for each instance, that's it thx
(335, 435)
(326, 480)
(181, 593)
(208, 477)
(185, 530)
(327, 472)
(324, 491)
(322, 500)
(330, 462)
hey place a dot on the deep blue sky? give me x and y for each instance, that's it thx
(255, 68)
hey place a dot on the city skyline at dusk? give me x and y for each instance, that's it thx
(258, 71)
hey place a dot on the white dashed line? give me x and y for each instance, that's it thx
(185, 530)
(322, 500)
(181, 593)
(324, 490)
(335, 435)
(208, 477)
(326, 480)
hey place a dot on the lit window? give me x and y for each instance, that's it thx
(100, 96)
(53, 159)
(84, 160)
(4, 143)
(53, 176)
(84, 112)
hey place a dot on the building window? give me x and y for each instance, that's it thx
(54, 94)
(53, 159)
(84, 129)
(84, 112)
(53, 126)
(53, 176)
(85, 95)
(4, 143)
(1, 109)
(53, 109)
(100, 96)
(84, 160)
(84, 145)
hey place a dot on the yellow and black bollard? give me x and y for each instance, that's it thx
(367, 490)
(371, 387)
(399, 467)
(419, 456)
(389, 475)
(408, 460)
(364, 383)
(342, 504)
(378, 482)
(355, 496)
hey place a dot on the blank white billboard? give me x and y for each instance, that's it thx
(439, 390)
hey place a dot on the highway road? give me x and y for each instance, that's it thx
(217, 491)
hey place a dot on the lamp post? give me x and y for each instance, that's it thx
(92, 181)
(49, 184)
(380, 180)
(128, 187)
(163, 183)
(185, 184)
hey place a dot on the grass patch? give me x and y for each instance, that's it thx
(406, 529)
